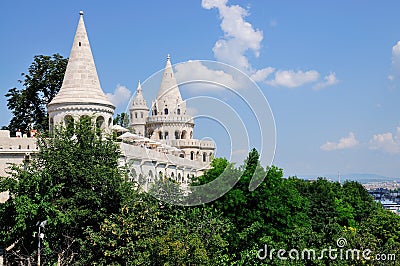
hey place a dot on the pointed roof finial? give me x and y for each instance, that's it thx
(138, 101)
(81, 13)
(168, 87)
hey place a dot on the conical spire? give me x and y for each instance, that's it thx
(169, 87)
(81, 83)
(139, 100)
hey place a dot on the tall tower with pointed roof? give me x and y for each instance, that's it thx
(169, 99)
(169, 119)
(138, 112)
(81, 93)
(170, 124)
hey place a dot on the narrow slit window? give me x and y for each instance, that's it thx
(80, 44)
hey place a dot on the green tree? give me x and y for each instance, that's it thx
(41, 83)
(122, 119)
(74, 183)
(148, 232)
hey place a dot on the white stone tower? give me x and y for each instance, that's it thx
(138, 112)
(170, 124)
(169, 120)
(81, 93)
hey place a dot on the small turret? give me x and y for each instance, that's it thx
(138, 112)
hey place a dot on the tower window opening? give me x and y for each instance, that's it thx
(80, 44)
(166, 111)
(178, 111)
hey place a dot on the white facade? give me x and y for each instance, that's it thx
(81, 95)
(169, 122)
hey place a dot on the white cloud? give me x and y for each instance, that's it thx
(120, 97)
(395, 62)
(329, 80)
(396, 53)
(239, 35)
(344, 143)
(292, 79)
(262, 74)
(386, 142)
(195, 70)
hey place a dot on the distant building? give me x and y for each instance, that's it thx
(390, 205)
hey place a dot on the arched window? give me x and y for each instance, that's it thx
(141, 180)
(191, 134)
(160, 135)
(100, 122)
(141, 114)
(135, 115)
(178, 111)
(166, 111)
(179, 177)
(172, 175)
(150, 177)
(177, 134)
(166, 135)
(204, 157)
(184, 134)
(192, 155)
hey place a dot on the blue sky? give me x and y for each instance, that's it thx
(330, 70)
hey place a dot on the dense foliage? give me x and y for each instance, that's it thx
(121, 119)
(41, 83)
(95, 218)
